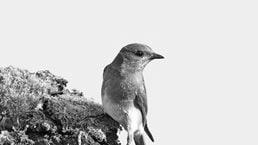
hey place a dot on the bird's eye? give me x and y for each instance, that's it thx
(139, 53)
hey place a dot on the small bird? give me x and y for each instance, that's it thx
(123, 90)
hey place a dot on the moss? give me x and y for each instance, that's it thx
(36, 108)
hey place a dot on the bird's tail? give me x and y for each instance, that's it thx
(138, 138)
(146, 129)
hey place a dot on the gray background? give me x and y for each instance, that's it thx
(203, 93)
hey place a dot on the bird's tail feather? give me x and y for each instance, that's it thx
(138, 139)
(146, 129)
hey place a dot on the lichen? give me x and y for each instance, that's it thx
(37, 108)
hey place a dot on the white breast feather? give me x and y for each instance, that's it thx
(118, 112)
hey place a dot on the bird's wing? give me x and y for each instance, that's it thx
(140, 102)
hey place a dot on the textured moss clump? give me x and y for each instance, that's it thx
(36, 108)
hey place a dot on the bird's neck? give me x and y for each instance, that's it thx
(129, 68)
(118, 61)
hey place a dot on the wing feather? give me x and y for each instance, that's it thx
(140, 102)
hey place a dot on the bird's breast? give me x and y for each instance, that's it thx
(124, 112)
(116, 109)
(118, 94)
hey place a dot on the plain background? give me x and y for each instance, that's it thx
(203, 93)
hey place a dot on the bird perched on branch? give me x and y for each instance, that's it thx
(123, 90)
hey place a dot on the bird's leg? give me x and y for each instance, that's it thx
(129, 138)
(128, 128)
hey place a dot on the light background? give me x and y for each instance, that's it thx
(203, 93)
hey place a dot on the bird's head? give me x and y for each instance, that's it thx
(136, 56)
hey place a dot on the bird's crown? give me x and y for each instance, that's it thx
(137, 49)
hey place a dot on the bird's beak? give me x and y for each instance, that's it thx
(156, 56)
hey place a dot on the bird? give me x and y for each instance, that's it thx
(123, 91)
